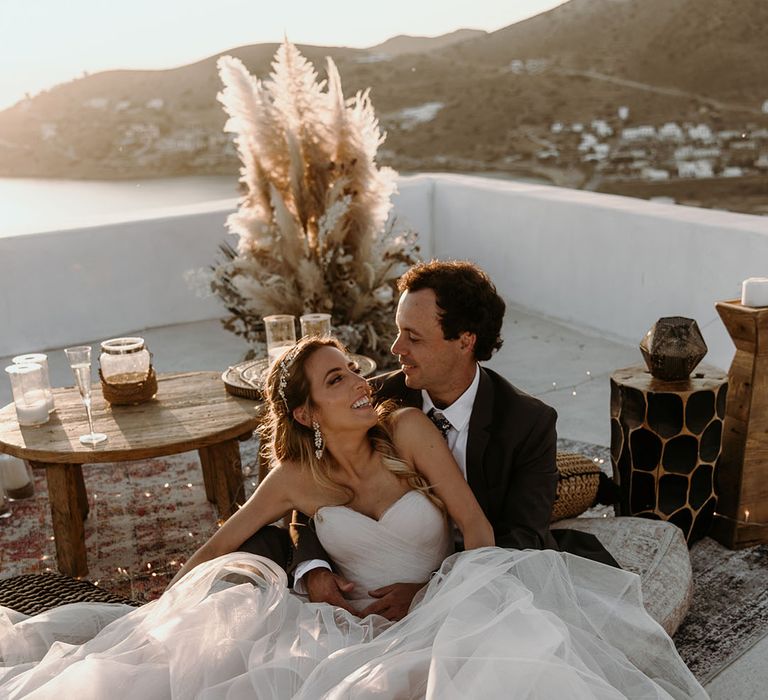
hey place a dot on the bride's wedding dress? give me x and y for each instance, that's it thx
(492, 623)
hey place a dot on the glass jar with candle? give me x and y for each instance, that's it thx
(315, 324)
(39, 358)
(125, 368)
(124, 360)
(16, 478)
(28, 386)
(281, 334)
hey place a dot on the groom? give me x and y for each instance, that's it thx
(449, 318)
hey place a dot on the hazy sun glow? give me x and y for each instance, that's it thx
(46, 42)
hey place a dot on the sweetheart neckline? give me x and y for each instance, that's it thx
(368, 517)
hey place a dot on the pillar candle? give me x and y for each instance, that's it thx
(754, 291)
(13, 473)
(34, 410)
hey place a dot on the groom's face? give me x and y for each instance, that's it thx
(427, 359)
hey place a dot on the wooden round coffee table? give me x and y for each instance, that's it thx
(192, 411)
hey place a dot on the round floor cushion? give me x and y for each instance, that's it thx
(655, 550)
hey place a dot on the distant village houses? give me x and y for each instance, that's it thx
(657, 152)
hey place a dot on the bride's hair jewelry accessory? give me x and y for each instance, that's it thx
(319, 445)
(285, 366)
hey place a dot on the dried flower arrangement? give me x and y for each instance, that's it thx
(313, 223)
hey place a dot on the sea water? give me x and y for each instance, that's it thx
(29, 205)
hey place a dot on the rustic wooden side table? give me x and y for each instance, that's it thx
(742, 513)
(666, 443)
(192, 411)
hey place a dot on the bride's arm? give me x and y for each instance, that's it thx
(274, 497)
(418, 441)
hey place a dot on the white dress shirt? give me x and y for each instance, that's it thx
(458, 414)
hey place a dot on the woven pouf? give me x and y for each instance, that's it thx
(31, 594)
(657, 552)
(577, 487)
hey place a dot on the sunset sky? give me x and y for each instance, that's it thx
(46, 42)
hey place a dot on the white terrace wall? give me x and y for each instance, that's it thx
(110, 278)
(611, 264)
(64, 287)
(608, 263)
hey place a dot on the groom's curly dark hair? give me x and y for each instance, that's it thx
(467, 298)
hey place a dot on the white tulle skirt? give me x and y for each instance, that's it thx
(492, 623)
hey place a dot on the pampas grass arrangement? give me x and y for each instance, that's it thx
(313, 225)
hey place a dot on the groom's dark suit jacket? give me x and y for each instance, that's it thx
(511, 468)
(511, 448)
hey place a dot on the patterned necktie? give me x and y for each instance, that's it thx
(442, 423)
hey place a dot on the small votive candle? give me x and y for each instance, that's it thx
(754, 292)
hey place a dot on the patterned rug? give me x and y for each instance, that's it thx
(729, 612)
(147, 517)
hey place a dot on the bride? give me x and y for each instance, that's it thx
(383, 491)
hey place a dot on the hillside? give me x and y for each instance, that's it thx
(711, 47)
(403, 43)
(468, 101)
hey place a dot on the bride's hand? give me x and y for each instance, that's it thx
(394, 600)
(324, 586)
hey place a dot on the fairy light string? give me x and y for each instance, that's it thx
(569, 387)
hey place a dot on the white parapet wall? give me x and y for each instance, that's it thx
(63, 287)
(610, 264)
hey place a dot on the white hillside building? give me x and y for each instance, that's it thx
(638, 133)
(700, 132)
(601, 128)
(695, 169)
(671, 132)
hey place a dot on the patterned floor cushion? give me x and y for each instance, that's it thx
(35, 593)
(656, 551)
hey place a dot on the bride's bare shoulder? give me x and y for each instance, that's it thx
(288, 469)
(408, 415)
(408, 423)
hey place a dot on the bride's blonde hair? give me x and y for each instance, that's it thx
(283, 438)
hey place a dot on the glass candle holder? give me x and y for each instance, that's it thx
(315, 325)
(281, 334)
(28, 386)
(16, 479)
(39, 358)
(124, 360)
(126, 372)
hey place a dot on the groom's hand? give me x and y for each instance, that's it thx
(324, 586)
(393, 600)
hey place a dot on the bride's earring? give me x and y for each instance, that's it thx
(319, 444)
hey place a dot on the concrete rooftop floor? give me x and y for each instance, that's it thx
(544, 358)
(567, 368)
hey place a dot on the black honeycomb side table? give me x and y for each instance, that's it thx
(666, 439)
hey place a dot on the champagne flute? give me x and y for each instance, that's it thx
(80, 361)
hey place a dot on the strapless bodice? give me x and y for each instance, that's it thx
(405, 545)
